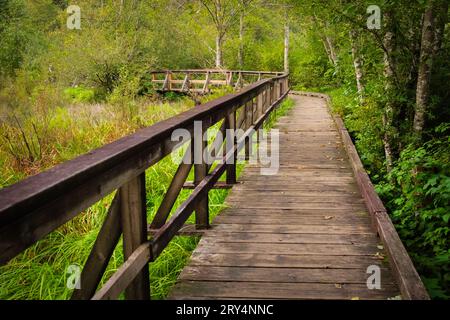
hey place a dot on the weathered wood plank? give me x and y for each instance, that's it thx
(283, 260)
(281, 275)
(280, 228)
(269, 290)
(208, 245)
(326, 220)
(295, 238)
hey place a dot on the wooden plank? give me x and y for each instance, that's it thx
(325, 220)
(274, 260)
(281, 275)
(318, 229)
(290, 205)
(207, 245)
(272, 290)
(296, 199)
(336, 213)
(296, 238)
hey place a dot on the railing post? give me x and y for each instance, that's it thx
(259, 112)
(200, 172)
(170, 80)
(231, 144)
(281, 87)
(207, 80)
(248, 122)
(134, 226)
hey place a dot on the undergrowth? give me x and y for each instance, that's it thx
(416, 192)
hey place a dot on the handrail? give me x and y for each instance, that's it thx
(166, 80)
(276, 73)
(36, 206)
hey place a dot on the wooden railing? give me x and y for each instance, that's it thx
(203, 81)
(36, 206)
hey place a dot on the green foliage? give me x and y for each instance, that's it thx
(80, 94)
(418, 195)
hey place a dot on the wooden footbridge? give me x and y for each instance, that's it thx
(315, 229)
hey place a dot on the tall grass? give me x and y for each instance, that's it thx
(40, 271)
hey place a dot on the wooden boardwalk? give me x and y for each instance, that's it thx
(310, 232)
(304, 233)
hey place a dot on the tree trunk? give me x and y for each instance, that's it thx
(241, 41)
(332, 51)
(357, 63)
(389, 115)
(432, 33)
(286, 46)
(219, 44)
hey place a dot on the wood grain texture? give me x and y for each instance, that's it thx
(303, 233)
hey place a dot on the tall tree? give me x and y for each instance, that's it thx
(357, 63)
(433, 26)
(223, 14)
(244, 10)
(390, 111)
(286, 40)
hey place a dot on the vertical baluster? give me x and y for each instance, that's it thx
(134, 226)
(259, 112)
(248, 123)
(200, 172)
(230, 143)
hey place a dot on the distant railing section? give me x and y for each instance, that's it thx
(204, 81)
(36, 206)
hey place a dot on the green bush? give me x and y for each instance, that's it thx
(418, 196)
(80, 94)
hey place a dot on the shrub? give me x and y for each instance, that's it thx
(418, 196)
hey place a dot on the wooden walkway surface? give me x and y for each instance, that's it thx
(304, 233)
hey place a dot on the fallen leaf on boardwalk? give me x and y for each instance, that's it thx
(380, 247)
(355, 298)
(338, 285)
(328, 217)
(395, 298)
(379, 255)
